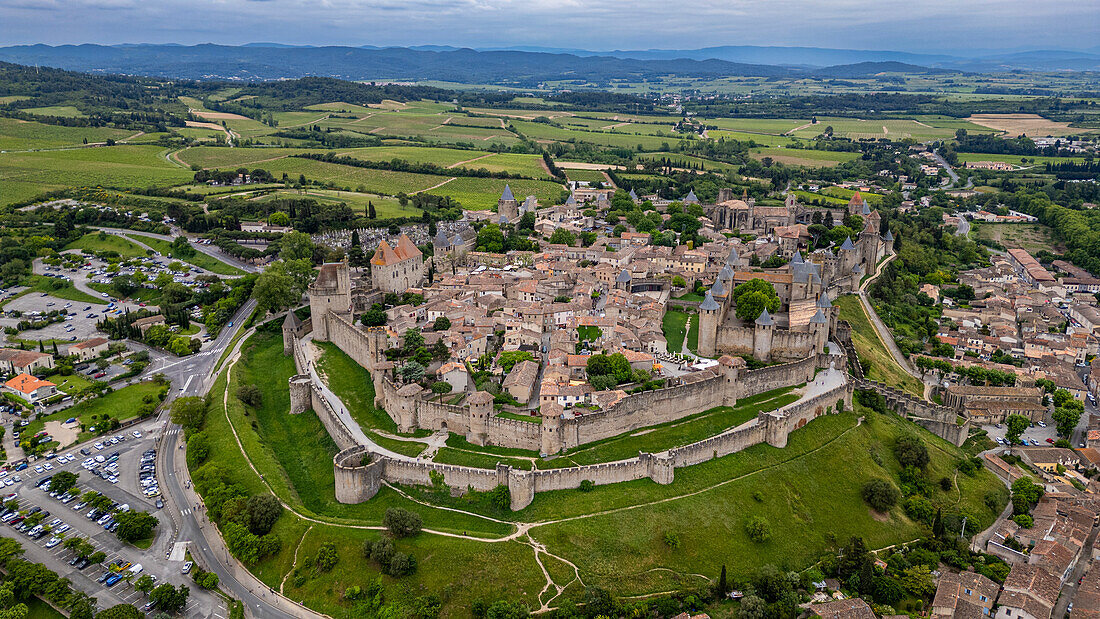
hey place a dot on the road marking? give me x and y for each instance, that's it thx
(185, 385)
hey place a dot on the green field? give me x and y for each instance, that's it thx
(68, 111)
(103, 242)
(121, 404)
(351, 383)
(374, 181)
(1032, 160)
(871, 350)
(483, 193)
(673, 327)
(27, 135)
(804, 157)
(585, 175)
(28, 174)
(384, 206)
(201, 260)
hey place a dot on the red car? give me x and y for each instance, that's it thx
(1050, 440)
(100, 375)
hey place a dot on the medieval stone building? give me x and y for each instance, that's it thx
(396, 269)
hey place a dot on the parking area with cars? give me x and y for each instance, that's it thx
(121, 471)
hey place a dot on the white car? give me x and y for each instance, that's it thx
(99, 458)
(39, 469)
(53, 542)
(47, 466)
(136, 434)
(98, 446)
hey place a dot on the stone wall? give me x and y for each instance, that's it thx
(786, 345)
(505, 432)
(939, 420)
(356, 482)
(339, 432)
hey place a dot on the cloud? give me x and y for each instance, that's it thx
(929, 25)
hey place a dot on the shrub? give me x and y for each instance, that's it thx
(911, 451)
(250, 395)
(327, 557)
(758, 529)
(880, 494)
(587, 485)
(672, 540)
(1024, 520)
(401, 522)
(441, 387)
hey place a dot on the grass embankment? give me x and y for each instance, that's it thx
(103, 242)
(121, 404)
(662, 437)
(871, 349)
(295, 456)
(57, 288)
(809, 492)
(199, 259)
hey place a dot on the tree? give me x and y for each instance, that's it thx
(250, 394)
(1066, 415)
(918, 580)
(441, 324)
(263, 511)
(758, 529)
(490, 239)
(170, 599)
(723, 587)
(1015, 426)
(753, 297)
(753, 607)
(411, 371)
(189, 412)
(282, 284)
(279, 218)
(62, 481)
(296, 246)
(121, 611)
(509, 358)
(327, 558)
(880, 494)
(401, 522)
(412, 340)
(374, 317)
(561, 236)
(1025, 495)
(144, 584)
(911, 451)
(134, 525)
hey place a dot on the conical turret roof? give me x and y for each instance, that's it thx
(765, 319)
(709, 304)
(507, 195)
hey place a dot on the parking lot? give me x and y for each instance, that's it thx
(117, 471)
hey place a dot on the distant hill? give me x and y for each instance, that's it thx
(870, 69)
(265, 62)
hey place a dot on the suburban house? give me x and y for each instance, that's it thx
(1030, 592)
(15, 361)
(30, 388)
(964, 595)
(854, 608)
(89, 349)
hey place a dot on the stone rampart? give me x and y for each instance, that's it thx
(505, 432)
(339, 432)
(771, 427)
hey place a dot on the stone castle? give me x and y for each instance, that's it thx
(412, 407)
(806, 319)
(396, 269)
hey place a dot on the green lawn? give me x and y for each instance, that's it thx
(37, 284)
(690, 429)
(870, 348)
(199, 259)
(103, 242)
(447, 455)
(405, 448)
(351, 383)
(809, 492)
(673, 327)
(121, 404)
(72, 383)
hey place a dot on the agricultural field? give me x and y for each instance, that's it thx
(1032, 237)
(858, 129)
(68, 111)
(1032, 160)
(25, 175)
(585, 175)
(548, 133)
(483, 193)
(28, 135)
(373, 181)
(688, 160)
(1025, 124)
(762, 139)
(773, 126)
(804, 157)
(384, 206)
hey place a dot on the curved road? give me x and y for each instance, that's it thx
(213, 252)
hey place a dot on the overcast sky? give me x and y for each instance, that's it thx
(908, 25)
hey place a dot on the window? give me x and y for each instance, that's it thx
(984, 599)
(968, 592)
